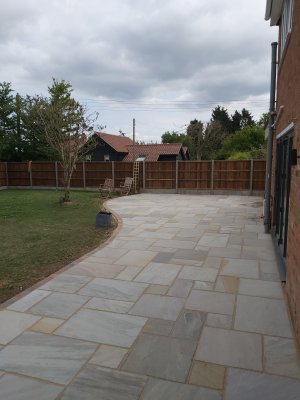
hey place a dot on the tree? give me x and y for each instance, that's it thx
(220, 115)
(65, 126)
(195, 134)
(7, 122)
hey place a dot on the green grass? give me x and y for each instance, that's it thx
(39, 235)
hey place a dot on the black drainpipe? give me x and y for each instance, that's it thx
(267, 204)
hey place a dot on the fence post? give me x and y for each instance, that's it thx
(113, 172)
(251, 177)
(144, 175)
(83, 174)
(56, 175)
(6, 173)
(212, 176)
(30, 173)
(176, 176)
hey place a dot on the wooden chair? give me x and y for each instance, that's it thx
(106, 188)
(126, 186)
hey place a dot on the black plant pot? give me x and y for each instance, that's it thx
(103, 219)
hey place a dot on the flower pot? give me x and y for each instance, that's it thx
(103, 219)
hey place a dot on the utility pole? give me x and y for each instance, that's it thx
(133, 137)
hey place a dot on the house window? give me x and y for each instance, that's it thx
(141, 158)
(106, 157)
(286, 23)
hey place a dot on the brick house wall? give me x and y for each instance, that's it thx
(288, 96)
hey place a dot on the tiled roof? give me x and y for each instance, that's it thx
(152, 151)
(118, 143)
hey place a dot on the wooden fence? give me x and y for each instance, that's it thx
(248, 175)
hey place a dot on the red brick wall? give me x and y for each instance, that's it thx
(288, 96)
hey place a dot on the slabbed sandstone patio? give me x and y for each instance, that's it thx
(184, 303)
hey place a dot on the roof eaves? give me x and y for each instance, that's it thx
(273, 11)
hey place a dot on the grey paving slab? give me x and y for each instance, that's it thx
(128, 273)
(66, 283)
(157, 289)
(59, 305)
(163, 257)
(180, 288)
(117, 306)
(189, 325)
(103, 327)
(97, 383)
(164, 390)
(14, 387)
(281, 357)
(113, 289)
(106, 252)
(13, 323)
(95, 270)
(108, 356)
(255, 287)
(159, 273)
(28, 301)
(214, 240)
(137, 258)
(198, 274)
(214, 302)
(157, 326)
(161, 357)
(154, 306)
(231, 348)
(248, 385)
(47, 325)
(197, 255)
(203, 285)
(207, 375)
(265, 253)
(219, 321)
(240, 268)
(224, 252)
(177, 244)
(49, 357)
(262, 315)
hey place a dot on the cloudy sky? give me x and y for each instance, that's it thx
(162, 62)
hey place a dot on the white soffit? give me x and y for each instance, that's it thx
(273, 11)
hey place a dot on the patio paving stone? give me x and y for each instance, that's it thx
(47, 325)
(157, 326)
(207, 375)
(95, 270)
(227, 284)
(240, 268)
(53, 358)
(157, 289)
(159, 273)
(136, 258)
(162, 390)
(108, 356)
(117, 306)
(189, 325)
(66, 283)
(180, 288)
(161, 357)
(198, 274)
(103, 327)
(14, 387)
(219, 321)
(214, 240)
(13, 323)
(255, 287)
(214, 302)
(28, 301)
(154, 306)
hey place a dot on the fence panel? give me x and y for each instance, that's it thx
(232, 175)
(18, 174)
(2, 174)
(259, 174)
(122, 170)
(43, 173)
(96, 172)
(160, 174)
(194, 174)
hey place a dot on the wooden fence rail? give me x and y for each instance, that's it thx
(245, 175)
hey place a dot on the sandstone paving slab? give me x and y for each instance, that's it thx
(128, 273)
(240, 268)
(97, 383)
(95, 270)
(180, 288)
(224, 252)
(142, 244)
(262, 315)
(113, 289)
(265, 253)
(103, 327)
(177, 244)
(189, 325)
(162, 257)
(214, 240)
(219, 321)
(13, 323)
(185, 254)
(248, 385)
(161, 357)
(159, 273)
(59, 305)
(28, 300)
(255, 287)
(154, 306)
(137, 258)
(231, 348)
(198, 274)
(157, 289)
(214, 302)
(14, 387)
(108, 356)
(212, 262)
(66, 283)
(203, 285)
(281, 357)
(47, 325)
(162, 390)
(117, 306)
(157, 326)
(49, 357)
(207, 375)
(106, 252)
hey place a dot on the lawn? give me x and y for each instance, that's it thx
(39, 235)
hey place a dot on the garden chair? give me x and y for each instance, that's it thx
(106, 188)
(126, 186)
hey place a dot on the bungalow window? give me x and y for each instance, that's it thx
(106, 157)
(286, 23)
